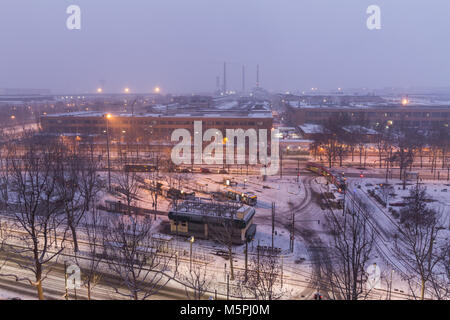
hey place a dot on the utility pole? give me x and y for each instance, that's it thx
(257, 264)
(246, 261)
(292, 237)
(228, 287)
(281, 164)
(107, 149)
(273, 224)
(66, 295)
(156, 201)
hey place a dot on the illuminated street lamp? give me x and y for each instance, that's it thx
(191, 240)
(127, 90)
(157, 90)
(13, 117)
(99, 90)
(405, 101)
(108, 117)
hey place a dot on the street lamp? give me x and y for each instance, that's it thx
(127, 90)
(191, 240)
(108, 117)
(157, 90)
(345, 193)
(99, 90)
(245, 182)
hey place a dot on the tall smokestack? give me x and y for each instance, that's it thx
(243, 78)
(257, 76)
(224, 78)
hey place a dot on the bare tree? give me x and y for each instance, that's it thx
(127, 185)
(263, 280)
(36, 207)
(134, 257)
(416, 246)
(196, 279)
(440, 279)
(95, 231)
(67, 185)
(350, 251)
(222, 229)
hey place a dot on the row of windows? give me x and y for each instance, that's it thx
(382, 114)
(114, 131)
(154, 122)
(407, 123)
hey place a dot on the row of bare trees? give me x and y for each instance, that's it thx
(399, 145)
(422, 249)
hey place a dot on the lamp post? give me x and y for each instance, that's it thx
(108, 116)
(191, 240)
(345, 193)
(245, 183)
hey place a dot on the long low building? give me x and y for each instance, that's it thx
(413, 116)
(151, 126)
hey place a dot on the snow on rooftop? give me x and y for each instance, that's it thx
(359, 129)
(311, 128)
(227, 105)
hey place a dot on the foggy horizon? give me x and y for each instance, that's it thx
(181, 46)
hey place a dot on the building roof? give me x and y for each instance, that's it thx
(228, 114)
(208, 211)
(311, 128)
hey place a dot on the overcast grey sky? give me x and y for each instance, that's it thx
(181, 44)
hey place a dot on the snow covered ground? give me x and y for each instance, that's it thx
(290, 195)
